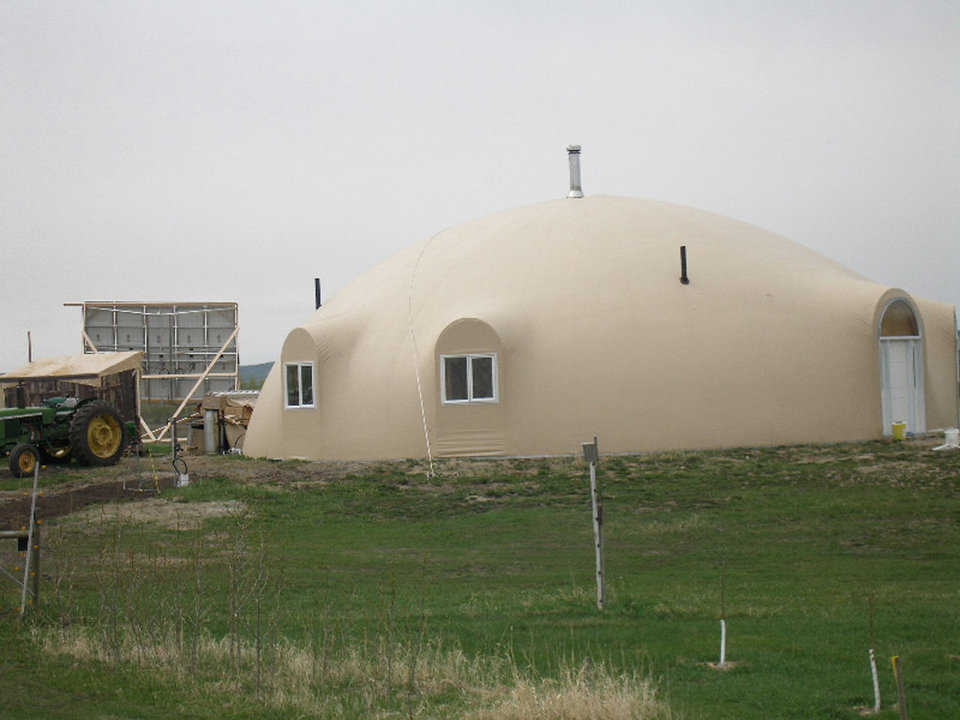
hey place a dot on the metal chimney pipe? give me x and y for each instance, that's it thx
(316, 292)
(573, 153)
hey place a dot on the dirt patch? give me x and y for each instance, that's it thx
(728, 665)
(140, 479)
(63, 500)
(158, 511)
(814, 459)
(479, 499)
(309, 484)
(891, 466)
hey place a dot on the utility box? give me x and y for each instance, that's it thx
(590, 451)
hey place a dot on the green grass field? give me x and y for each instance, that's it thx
(265, 590)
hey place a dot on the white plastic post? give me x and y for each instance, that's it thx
(723, 641)
(876, 684)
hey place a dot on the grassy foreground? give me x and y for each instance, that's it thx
(389, 594)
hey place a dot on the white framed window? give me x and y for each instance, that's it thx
(298, 378)
(468, 378)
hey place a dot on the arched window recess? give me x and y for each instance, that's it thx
(899, 321)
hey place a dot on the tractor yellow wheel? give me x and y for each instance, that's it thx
(96, 434)
(104, 435)
(23, 460)
(26, 462)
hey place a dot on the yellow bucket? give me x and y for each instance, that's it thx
(899, 430)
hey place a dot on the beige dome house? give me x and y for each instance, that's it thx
(529, 331)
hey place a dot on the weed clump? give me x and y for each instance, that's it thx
(379, 679)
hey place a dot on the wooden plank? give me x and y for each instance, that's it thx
(107, 304)
(146, 427)
(7, 379)
(89, 342)
(188, 376)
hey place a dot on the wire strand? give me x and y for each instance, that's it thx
(416, 356)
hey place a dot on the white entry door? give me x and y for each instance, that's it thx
(902, 368)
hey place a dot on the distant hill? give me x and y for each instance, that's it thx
(252, 376)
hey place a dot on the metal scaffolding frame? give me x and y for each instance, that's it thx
(186, 346)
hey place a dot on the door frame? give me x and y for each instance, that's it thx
(918, 422)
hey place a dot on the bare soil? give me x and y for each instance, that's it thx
(71, 488)
(69, 497)
(139, 479)
(159, 512)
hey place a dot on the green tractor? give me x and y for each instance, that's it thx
(61, 429)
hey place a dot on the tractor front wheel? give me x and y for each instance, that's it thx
(96, 434)
(23, 460)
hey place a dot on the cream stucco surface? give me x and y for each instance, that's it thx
(770, 343)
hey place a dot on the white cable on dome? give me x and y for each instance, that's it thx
(416, 355)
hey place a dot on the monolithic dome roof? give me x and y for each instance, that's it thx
(593, 258)
(582, 302)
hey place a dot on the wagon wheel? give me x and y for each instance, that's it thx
(96, 435)
(23, 460)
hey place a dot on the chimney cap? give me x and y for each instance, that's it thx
(573, 148)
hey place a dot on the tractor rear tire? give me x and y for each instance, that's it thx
(24, 459)
(96, 434)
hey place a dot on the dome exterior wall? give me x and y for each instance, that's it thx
(579, 304)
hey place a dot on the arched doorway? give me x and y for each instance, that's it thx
(470, 401)
(901, 367)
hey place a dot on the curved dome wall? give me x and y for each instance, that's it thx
(566, 319)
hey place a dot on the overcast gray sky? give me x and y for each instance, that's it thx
(235, 150)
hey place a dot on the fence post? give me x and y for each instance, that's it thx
(35, 549)
(591, 453)
(30, 550)
(901, 696)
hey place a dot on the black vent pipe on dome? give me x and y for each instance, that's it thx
(316, 292)
(573, 153)
(683, 265)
